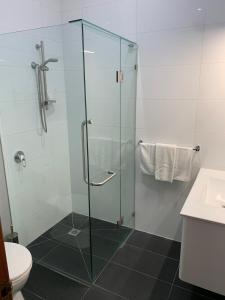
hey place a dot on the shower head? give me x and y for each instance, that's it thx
(49, 60)
(44, 65)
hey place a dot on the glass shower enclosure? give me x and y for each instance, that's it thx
(68, 139)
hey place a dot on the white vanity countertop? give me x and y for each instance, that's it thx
(206, 199)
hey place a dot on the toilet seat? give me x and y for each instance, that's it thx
(19, 261)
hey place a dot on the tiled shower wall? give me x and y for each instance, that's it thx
(16, 16)
(181, 88)
(40, 193)
(47, 155)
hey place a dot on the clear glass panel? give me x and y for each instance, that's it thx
(68, 225)
(76, 114)
(128, 122)
(102, 61)
(48, 197)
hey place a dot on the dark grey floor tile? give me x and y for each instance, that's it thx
(69, 261)
(28, 295)
(179, 283)
(81, 241)
(52, 286)
(132, 285)
(41, 247)
(109, 230)
(97, 224)
(99, 294)
(103, 247)
(57, 233)
(155, 243)
(75, 220)
(97, 264)
(147, 262)
(181, 294)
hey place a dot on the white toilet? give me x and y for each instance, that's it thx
(19, 262)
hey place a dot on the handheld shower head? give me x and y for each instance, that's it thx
(44, 65)
(50, 60)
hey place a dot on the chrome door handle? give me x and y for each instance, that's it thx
(111, 173)
(83, 125)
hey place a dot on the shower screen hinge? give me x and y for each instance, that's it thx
(136, 67)
(120, 221)
(119, 76)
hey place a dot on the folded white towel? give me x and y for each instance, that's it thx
(165, 157)
(183, 164)
(147, 158)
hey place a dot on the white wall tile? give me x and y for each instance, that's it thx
(118, 16)
(211, 117)
(212, 81)
(214, 43)
(212, 149)
(169, 121)
(170, 82)
(214, 11)
(160, 14)
(171, 47)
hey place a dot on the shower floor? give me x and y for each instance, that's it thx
(67, 251)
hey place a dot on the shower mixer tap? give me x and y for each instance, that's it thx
(20, 158)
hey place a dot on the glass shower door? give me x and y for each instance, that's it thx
(102, 63)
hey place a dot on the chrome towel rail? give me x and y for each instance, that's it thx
(196, 148)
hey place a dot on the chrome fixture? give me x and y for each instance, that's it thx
(40, 71)
(20, 158)
(111, 173)
(196, 148)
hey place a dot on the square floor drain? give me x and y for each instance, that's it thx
(74, 232)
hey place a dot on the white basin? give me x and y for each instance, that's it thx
(202, 261)
(215, 192)
(206, 199)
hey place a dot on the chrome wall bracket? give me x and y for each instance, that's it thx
(120, 221)
(119, 76)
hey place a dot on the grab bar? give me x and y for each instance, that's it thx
(111, 173)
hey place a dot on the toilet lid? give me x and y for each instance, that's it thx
(19, 260)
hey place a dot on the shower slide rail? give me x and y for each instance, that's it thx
(92, 183)
(40, 71)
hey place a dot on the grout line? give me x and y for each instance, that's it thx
(84, 295)
(171, 288)
(33, 293)
(66, 275)
(196, 293)
(110, 292)
(141, 273)
(108, 262)
(151, 251)
(48, 252)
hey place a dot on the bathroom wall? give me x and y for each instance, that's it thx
(181, 89)
(44, 185)
(28, 14)
(181, 81)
